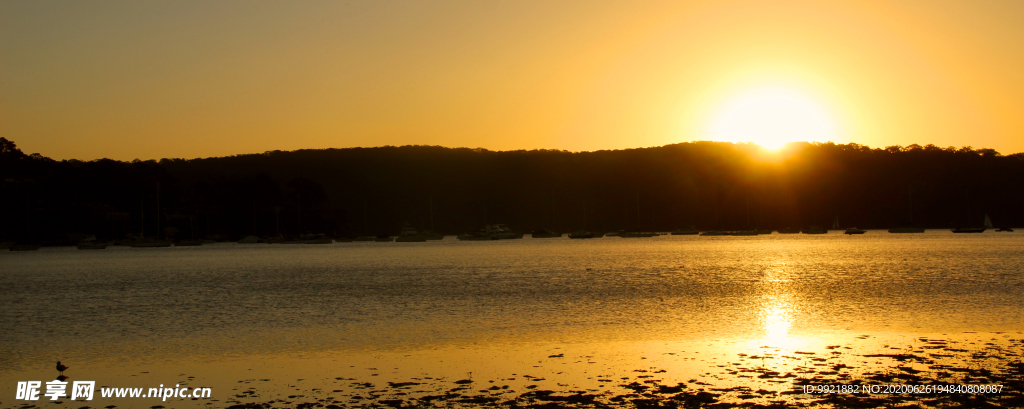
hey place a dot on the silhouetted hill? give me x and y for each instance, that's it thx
(362, 191)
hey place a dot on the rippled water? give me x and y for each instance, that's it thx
(132, 307)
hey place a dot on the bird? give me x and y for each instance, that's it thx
(61, 368)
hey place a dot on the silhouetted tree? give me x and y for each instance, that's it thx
(377, 190)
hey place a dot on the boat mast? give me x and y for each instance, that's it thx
(28, 219)
(554, 211)
(748, 212)
(584, 215)
(638, 210)
(158, 210)
(431, 199)
(910, 193)
(967, 193)
(142, 227)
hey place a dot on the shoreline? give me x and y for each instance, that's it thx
(568, 377)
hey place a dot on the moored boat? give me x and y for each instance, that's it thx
(90, 243)
(854, 230)
(689, 231)
(909, 227)
(188, 243)
(410, 235)
(906, 230)
(151, 243)
(479, 235)
(502, 232)
(581, 234)
(431, 236)
(544, 234)
(318, 239)
(814, 230)
(25, 247)
(636, 234)
(987, 225)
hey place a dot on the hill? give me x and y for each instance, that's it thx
(369, 191)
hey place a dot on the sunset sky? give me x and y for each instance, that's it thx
(190, 79)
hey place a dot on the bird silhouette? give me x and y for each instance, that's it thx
(61, 368)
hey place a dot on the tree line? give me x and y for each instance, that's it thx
(375, 191)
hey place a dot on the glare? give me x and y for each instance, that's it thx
(775, 321)
(772, 117)
(776, 316)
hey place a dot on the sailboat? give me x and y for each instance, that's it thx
(544, 234)
(28, 229)
(850, 230)
(156, 242)
(1004, 228)
(192, 241)
(409, 234)
(910, 228)
(90, 243)
(814, 230)
(854, 230)
(581, 234)
(906, 230)
(637, 233)
(685, 232)
(986, 226)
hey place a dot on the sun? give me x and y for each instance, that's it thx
(772, 117)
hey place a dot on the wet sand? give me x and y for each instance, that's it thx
(712, 376)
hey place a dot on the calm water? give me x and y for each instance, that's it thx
(266, 310)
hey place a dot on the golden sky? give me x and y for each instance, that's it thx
(192, 79)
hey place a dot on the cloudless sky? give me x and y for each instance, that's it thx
(154, 79)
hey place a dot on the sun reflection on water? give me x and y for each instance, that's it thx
(776, 320)
(777, 307)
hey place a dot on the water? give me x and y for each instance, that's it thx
(227, 312)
